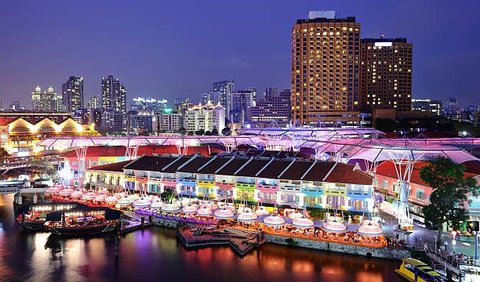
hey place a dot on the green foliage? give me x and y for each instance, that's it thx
(226, 131)
(167, 197)
(447, 201)
(182, 131)
(214, 131)
(200, 132)
(3, 155)
(386, 125)
(44, 167)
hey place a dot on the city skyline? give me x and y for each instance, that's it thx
(145, 52)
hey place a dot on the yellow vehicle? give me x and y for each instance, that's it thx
(418, 271)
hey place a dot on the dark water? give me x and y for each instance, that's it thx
(155, 255)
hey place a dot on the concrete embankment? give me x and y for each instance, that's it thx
(387, 253)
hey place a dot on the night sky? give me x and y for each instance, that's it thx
(169, 49)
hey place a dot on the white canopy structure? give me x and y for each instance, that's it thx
(224, 213)
(204, 211)
(247, 215)
(370, 228)
(303, 222)
(189, 209)
(274, 220)
(334, 226)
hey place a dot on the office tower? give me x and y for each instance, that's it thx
(114, 95)
(170, 122)
(225, 88)
(93, 103)
(46, 101)
(325, 69)
(72, 94)
(427, 105)
(241, 102)
(275, 107)
(37, 98)
(204, 117)
(386, 74)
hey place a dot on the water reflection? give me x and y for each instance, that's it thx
(155, 254)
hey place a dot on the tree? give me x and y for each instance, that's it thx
(208, 133)
(226, 131)
(167, 196)
(182, 131)
(3, 155)
(200, 132)
(214, 131)
(44, 167)
(449, 196)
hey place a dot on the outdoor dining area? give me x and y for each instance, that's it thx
(286, 222)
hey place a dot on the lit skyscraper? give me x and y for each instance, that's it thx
(386, 74)
(114, 95)
(225, 89)
(325, 69)
(93, 103)
(72, 94)
(241, 103)
(46, 101)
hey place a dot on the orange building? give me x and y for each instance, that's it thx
(325, 69)
(21, 131)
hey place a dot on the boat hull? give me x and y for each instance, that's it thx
(83, 231)
(32, 226)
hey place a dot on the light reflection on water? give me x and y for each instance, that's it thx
(155, 254)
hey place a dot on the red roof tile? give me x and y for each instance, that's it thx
(345, 173)
(117, 167)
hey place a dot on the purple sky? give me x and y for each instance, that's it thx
(168, 49)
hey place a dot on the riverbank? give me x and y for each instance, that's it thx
(384, 253)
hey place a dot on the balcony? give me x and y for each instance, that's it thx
(224, 185)
(245, 186)
(267, 186)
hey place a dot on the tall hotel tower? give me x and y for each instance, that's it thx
(386, 74)
(325, 69)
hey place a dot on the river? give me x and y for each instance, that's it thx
(155, 254)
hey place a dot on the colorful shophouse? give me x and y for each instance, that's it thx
(290, 182)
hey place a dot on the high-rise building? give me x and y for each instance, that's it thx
(114, 95)
(169, 122)
(72, 94)
(204, 117)
(241, 103)
(427, 105)
(211, 96)
(149, 104)
(46, 101)
(386, 74)
(325, 69)
(93, 103)
(225, 88)
(275, 107)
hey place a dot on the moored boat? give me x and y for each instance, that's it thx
(83, 222)
(417, 271)
(32, 218)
